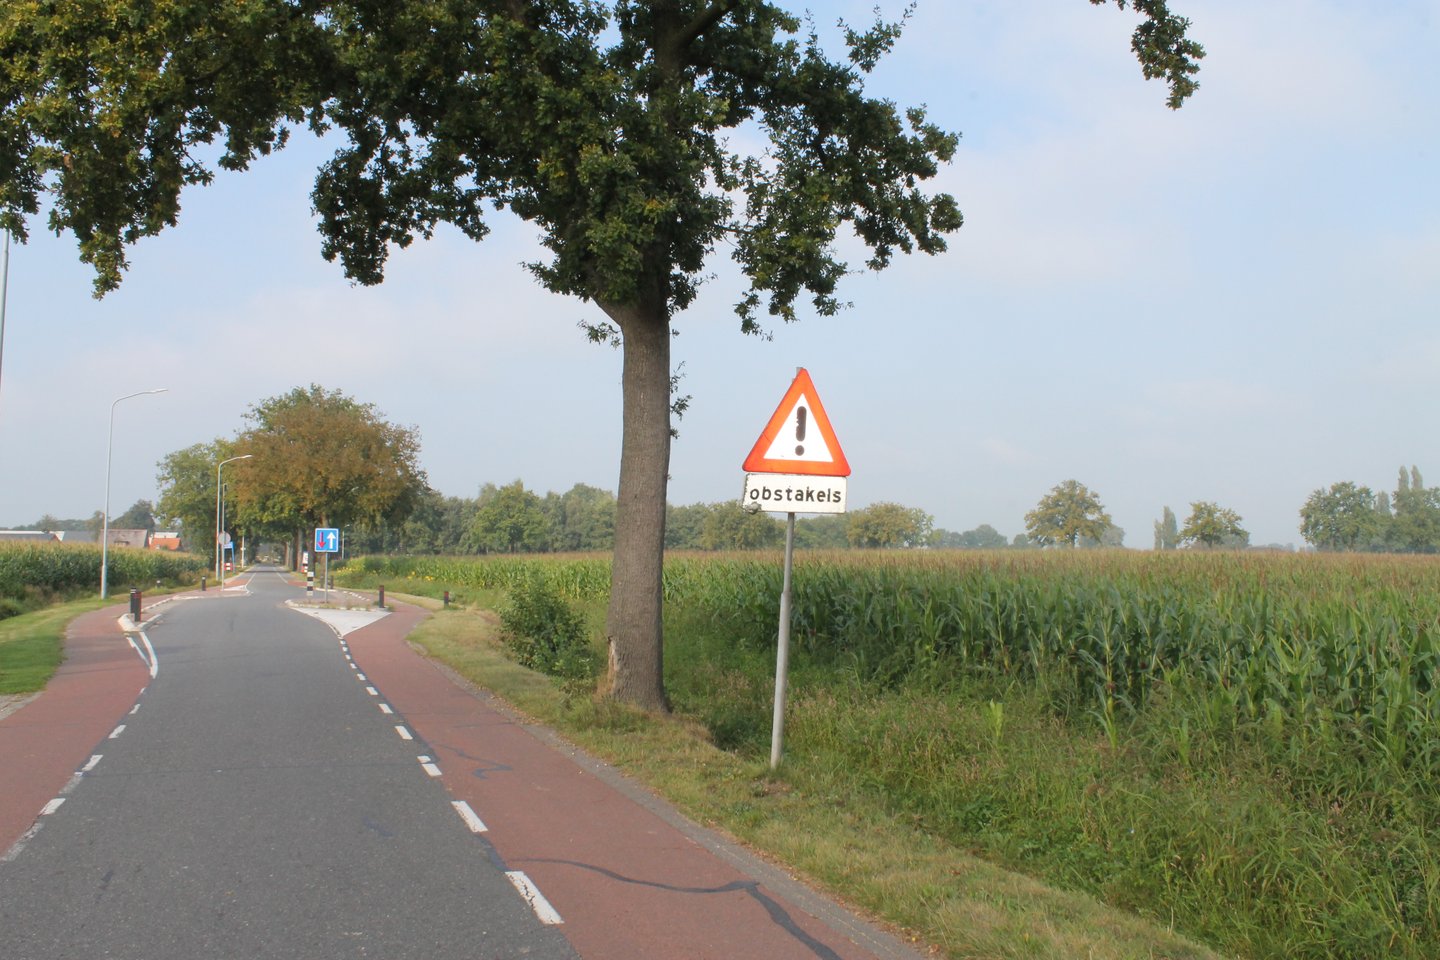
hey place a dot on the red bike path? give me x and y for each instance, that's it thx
(46, 741)
(630, 877)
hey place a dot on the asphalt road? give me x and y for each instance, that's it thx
(257, 804)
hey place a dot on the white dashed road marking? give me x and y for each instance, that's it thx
(472, 821)
(532, 896)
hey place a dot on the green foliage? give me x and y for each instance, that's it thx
(583, 518)
(1211, 525)
(825, 532)
(187, 492)
(729, 526)
(320, 458)
(35, 574)
(140, 516)
(509, 519)
(544, 633)
(1341, 518)
(983, 537)
(888, 525)
(1415, 527)
(1065, 515)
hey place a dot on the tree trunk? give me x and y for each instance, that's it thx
(633, 623)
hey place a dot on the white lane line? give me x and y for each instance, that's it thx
(135, 709)
(90, 764)
(385, 708)
(532, 896)
(154, 660)
(404, 734)
(361, 677)
(372, 691)
(52, 806)
(428, 766)
(472, 821)
(71, 784)
(353, 665)
(147, 656)
(116, 732)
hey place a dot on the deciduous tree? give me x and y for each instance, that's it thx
(889, 525)
(729, 526)
(607, 126)
(1340, 518)
(322, 459)
(510, 519)
(1067, 513)
(1211, 525)
(186, 479)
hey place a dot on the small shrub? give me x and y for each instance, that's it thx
(545, 634)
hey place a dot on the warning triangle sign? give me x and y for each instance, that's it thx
(799, 438)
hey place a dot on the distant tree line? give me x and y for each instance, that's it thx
(1348, 516)
(514, 519)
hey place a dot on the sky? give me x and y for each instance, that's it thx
(1234, 302)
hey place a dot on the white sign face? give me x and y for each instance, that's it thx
(793, 493)
(798, 441)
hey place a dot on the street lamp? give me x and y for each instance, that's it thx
(219, 547)
(105, 528)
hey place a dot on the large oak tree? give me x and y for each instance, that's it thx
(604, 124)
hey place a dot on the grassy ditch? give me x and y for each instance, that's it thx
(1238, 748)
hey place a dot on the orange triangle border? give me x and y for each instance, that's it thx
(756, 462)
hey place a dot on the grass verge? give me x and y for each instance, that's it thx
(887, 864)
(32, 644)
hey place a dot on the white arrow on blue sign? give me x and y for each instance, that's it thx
(327, 539)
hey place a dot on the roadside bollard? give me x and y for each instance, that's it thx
(135, 604)
(381, 602)
(447, 599)
(202, 584)
(309, 584)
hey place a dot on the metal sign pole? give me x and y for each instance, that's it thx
(327, 578)
(782, 652)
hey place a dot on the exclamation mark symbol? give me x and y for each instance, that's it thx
(800, 413)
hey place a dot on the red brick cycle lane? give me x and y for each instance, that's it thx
(631, 879)
(50, 738)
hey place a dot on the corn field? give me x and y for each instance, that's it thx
(29, 570)
(1317, 647)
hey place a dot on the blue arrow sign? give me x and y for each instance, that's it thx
(327, 540)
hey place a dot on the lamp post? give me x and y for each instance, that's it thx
(219, 520)
(105, 526)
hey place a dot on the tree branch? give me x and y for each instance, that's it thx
(703, 21)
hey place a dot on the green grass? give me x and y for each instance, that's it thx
(31, 645)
